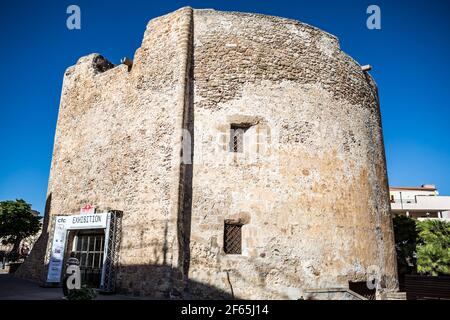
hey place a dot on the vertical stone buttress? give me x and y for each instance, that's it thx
(184, 130)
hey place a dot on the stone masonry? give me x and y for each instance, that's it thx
(153, 141)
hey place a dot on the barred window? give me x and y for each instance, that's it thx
(232, 242)
(237, 137)
(360, 287)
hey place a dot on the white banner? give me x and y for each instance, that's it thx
(57, 253)
(86, 221)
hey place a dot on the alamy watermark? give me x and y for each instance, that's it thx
(374, 20)
(73, 21)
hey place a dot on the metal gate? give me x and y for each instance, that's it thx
(89, 249)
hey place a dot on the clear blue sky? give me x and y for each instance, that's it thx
(410, 56)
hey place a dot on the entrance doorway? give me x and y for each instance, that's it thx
(88, 247)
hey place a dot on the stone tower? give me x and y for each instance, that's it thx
(229, 129)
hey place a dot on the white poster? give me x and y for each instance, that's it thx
(57, 253)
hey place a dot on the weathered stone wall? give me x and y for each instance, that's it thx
(310, 187)
(116, 147)
(315, 200)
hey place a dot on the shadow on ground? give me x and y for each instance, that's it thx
(167, 286)
(12, 288)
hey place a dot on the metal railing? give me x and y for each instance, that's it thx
(410, 200)
(403, 201)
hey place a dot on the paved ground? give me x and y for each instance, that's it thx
(18, 289)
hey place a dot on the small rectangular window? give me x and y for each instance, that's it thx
(232, 242)
(361, 288)
(237, 137)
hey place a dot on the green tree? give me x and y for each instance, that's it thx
(433, 247)
(405, 244)
(17, 222)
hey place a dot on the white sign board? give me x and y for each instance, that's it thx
(86, 221)
(62, 224)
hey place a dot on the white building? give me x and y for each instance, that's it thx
(419, 202)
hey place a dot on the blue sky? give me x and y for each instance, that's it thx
(409, 55)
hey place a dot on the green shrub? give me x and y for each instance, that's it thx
(405, 244)
(433, 247)
(85, 293)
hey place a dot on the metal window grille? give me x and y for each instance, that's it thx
(237, 137)
(360, 287)
(89, 251)
(233, 238)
